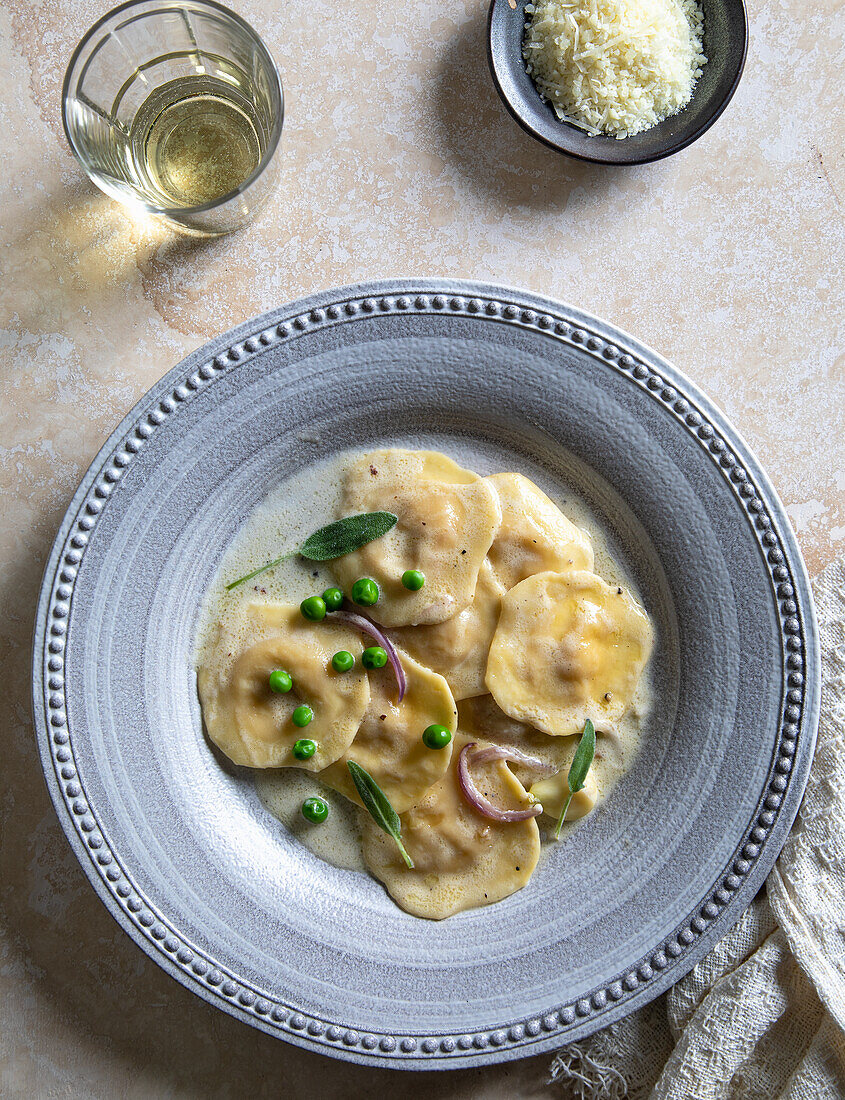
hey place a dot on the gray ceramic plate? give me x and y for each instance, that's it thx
(180, 849)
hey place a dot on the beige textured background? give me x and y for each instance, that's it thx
(398, 160)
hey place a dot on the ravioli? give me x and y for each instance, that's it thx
(568, 647)
(462, 859)
(482, 719)
(534, 535)
(458, 647)
(250, 723)
(389, 743)
(447, 517)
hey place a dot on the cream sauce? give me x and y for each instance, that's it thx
(337, 840)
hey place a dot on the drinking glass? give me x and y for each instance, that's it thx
(177, 107)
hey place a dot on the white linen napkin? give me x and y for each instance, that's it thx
(762, 1017)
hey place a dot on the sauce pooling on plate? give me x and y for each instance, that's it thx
(455, 667)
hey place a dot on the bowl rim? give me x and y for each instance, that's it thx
(676, 147)
(112, 878)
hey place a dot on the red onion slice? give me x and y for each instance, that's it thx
(367, 626)
(476, 799)
(497, 752)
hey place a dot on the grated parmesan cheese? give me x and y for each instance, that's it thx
(614, 66)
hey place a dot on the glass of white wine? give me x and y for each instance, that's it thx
(177, 108)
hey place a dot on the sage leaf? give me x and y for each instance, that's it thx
(346, 535)
(583, 758)
(581, 762)
(332, 541)
(378, 806)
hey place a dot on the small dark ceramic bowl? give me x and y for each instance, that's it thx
(725, 47)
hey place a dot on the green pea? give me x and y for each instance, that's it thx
(313, 609)
(315, 810)
(302, 715)
(280, 681)
(343, 661)
(333, 599)
(374, 657)
(304, 749)
(413, 579)
(365, 592)
(436, 737)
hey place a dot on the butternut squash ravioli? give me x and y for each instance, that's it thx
(426, 688)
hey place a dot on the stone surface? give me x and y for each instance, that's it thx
(398, 159)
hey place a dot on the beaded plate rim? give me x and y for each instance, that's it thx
(762, 839)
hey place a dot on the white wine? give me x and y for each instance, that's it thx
(193, 141)
(177, 109)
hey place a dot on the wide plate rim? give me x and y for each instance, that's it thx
(644, 366)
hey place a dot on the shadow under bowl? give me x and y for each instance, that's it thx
(725, 47)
